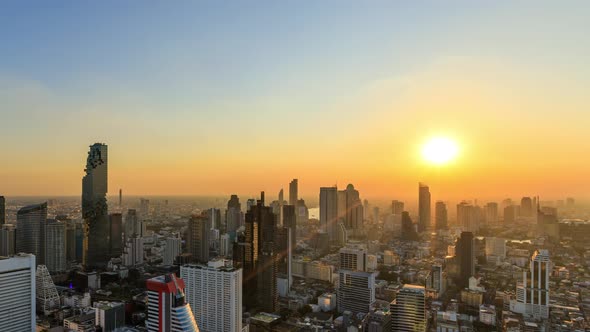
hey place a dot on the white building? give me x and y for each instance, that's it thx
(133, 252)
(225, 245)
(532, 293)
(487, 314)
(495, 249)
(214, 292)
(172, 250)
(167, 307)
(353, 258)
(17, 293)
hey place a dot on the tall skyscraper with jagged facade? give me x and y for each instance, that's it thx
(94, 207)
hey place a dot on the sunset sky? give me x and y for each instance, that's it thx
(219, 97)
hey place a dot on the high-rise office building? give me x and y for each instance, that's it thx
(467, 217)
(510, 214)
(17, 293)
(55, 246)
(329, 211)
(214, 216)
(7, 240)
(495, 249)
(423, 207)
(440, 215)
(356, 291)
(120, 198)
(465, 252)
(132, 225)
(144, 208)
(532, 293)
(2, 210)
(173, 249)
(94, 207)
(353, 257)
(526, 207)
(233, 215)
(491, 213)
(255, 253)
(133, 251)
(409, 309)
(115, 234)
(293, 192)
(109, 315)
(168, 310)
(30, 234)
(290, 221)
(350, 209)
(436, 279)
(397, 207)
(198, 238)
(214, 292)
(70, 239)
(408, 229)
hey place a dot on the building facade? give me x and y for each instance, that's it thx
(214, 292)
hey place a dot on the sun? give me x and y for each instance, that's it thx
(440, 150)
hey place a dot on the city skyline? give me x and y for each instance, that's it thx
(174, 114)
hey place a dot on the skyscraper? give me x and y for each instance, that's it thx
(94, 207)
(198, 238)
(532, 293)
(467, 217)
(2, 211)
(132, 224)
(55, 246)
(491, 213)
(255, 254)
(120, 198)
(293, 192)
(353, 258)
(115, 234)
(510, 214)
(408, 229)
(397, 207)
(214, 292)
(465, 251)
(526, 207)
(423, 207)
(30, 235)
(144, 208)
(233, 215)
(350, 209)
(168, 310)
(7, 240)
(440, 215)
(329, 211)
(290, 221)
(17, 293)
(173, 249)
(356, 291)
(409, 309)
